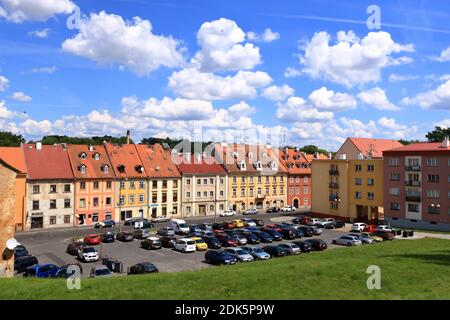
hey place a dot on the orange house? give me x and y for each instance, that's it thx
(14, 156)
(94, 184)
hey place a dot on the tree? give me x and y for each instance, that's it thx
(438, 134)
(52, 139)
(8, 139)
(311, 149)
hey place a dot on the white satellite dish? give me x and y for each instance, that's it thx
(11, 244)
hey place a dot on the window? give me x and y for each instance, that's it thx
(433, 178)
(394, 162)
(281, 178)
(432, 162)
(35, 204)
(357, 195)
(394, 176)
(358, 181)
(291, 190)
(413, 207)
(433, 193)
(205, 194)
(394, 191)
(199, 181)
(199, 194)
(259, 179)
(222, 181)
(234, 192)
(122, 185)
(175, 197)
(242, 180)
(95, 183)
(370, 167)
(131, 198)
(52, 220)
(370, 195)
(358, 167)
(83, 169)
(297, 190)
(274, 180)
(108, 184)
(175, 184)
(132, 185)
(83, 155)
(188, 210)
(141, 184)
(205, 181)
(433, 209)
(67, 188)
(188, 181)
(53, 204)
(95, 217)
(297, 180)
(291, 180)
(395, 206)
(267, 191)
(259, 192)
(242, 192)
(370, 182)
(211, 208)
(164, 184)
(82, 185)
(141, 198)
(164, 197)
(305, 190)
(282, 190)
(105, 169)
(95, 202)
(67, 219)
(188, 194)
(122, 200)
(82, 203)
(305, 180)
(274, 191)
(66, 203)
(221, 193)
(53, 188)
(449, 178)
(267, 180)
(211, 193)
(108, 201)
(155, 183)
(36, 189)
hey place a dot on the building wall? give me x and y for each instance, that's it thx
(299, 188)
(128, 208)
(64, 216)
(349, 149)
(21, 201)
(172, 205)
(7, 216)
(192, 204)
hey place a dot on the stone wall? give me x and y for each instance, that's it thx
(7, 216)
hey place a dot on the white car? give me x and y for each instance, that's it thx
(248, 222)
(288, 209)
(87, 254)
(228, 213)
(324, 222)
(185, 245)
(383, 228)
(348, 240)
(358, 226)
(314, 222)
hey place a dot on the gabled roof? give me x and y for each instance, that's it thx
(374, 146)
(296, 162)
(51, 162)
(14, 157)
(125, 161)
(157, 161)
(425, 146)
(94, 161)
(196, 164)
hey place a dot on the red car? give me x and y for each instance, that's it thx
(226, 240)
(228, 225)
(92, 239)
(273, 227)
(370, 228)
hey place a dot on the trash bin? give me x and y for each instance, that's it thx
(113, 265)
(399, 232)
(405, 234)
(411, 233)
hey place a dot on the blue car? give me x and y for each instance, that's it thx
(106, 224)
(41, 271)
(263, 237)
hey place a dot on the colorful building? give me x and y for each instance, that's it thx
(131, 181)
(365, 148)
(50, 186)
(94, 184)
(417, 186)
(14, 156)
(256, 177)
(164, 180)
(204, 185)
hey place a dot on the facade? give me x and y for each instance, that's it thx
(256, 177)
(50, 186)
(204, 185)
(164, 181)
(417, 186)
(131, 181)
(364, 148)
(15, 157)
(94, 184)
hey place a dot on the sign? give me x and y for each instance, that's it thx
(138, 224)
(154, 205)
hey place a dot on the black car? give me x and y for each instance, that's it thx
(107, 237)
(258, 222)
(218, 226)
(167, 241)
(141, 234)
(251, 238)
(307, 231)
(273, 210)
(263, 236)
(219, 257)
(125, 236)
(298, 233)
(304, 246)
(142, 268)
(63, 271)
(21, 264)
(317, 244)
(275, 251)
(205, 226)
(151, 243)
(335, 225)
(20, 252)
(287, 233)
(132, 221)
(72, 248)
(106, 224)
(274, 234)
(212, 242)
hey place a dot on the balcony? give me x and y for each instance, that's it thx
(333, 185)
(413, 198)
(333, 172)
(412, 183)
(412, 168)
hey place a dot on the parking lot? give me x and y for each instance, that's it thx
(49, 246)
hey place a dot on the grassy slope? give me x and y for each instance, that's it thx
(410, 269)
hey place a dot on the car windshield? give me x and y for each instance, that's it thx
(190, 242)
(183, 225)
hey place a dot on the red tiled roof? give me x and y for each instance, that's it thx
(157, 161)
(206, 166)
(376, 146)
(94, 168)
(432, 146)
(125, 161)
(51, 162)
(14, 157)
(296, 162)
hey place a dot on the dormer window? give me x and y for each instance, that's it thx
(242, 166)
(250, 155)
(83, 155)
(83, 168)
(235, 154)
(274, 165)
(264, 155)
(258, 165)
(96, 156)
(105, 168)
(121, 168)
(139, 168)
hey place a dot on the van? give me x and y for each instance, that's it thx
(179, 226)
(185, 245)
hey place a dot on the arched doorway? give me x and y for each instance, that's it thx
(251, 205)
(267, 204)
(242, 206)
(259, 205)
(274, 204)
(281, 203)
(295, 203)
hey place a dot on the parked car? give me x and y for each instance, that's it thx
(228, 225)
(252, 229)
(141, 234)
(72, 248)
(142, 268)
(237, 223)
(304, 246)
(212, 242)
(160, 219)
(383, 228)
(298, 233)
(195, 228)
(358, 226)
(307, 231)
(251, 237)
(241, 239)
(324, 222)
(200, 244)
(146, 225)
(195, 234)
(263, 236)
(218, 226)
(106, 237)
(226, 240)
(168, 241)
(105, 224)
(257, 253)
(22, 263)
(274, 234)
(289, 224)
(370, 228)
(386, 235)
(179, 226)
(288, 209)
(100, 271)
(273, 210)
(20, 251)
(132, 221)
(206, 226)
(347, 240)
(317, 244)
(227, 213)
(87, 254)
(41, 271)
(291, 248)
(241, 255)
(151, 243)
(92, 239)
(373, 236)
(275, 251)
(125, 236)
(219, 257)
(251, 212)
(302, 219)
(316, 230)
(363, 237)
(287, 233)
(335, 225)
(63, 271)
(271, 226)
(185, 245)
(248, 222)
(166, 231)
(313, 222)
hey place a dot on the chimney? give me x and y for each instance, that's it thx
(446, 143)
(38, 145)
(128, 136)
(91, 148)
(329, 155)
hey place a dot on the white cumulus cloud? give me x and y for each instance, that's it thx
(275, 93)
(443, 57)
(438, 98)
(330, 100)
(4, 83)
(267, 36)
(20, 96)
(377, 98)
(44, 33)
(297, 110)
(19, 11)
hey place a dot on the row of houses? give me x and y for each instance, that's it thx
(69, 185)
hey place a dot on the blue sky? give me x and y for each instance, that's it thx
(310, 71)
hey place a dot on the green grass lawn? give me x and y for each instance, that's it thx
(410, 269)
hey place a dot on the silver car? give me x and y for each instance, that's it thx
(291, 248)
(166, 231)
(347, 240)
(100, 271)
(241, 255)
(365, 238)
(316, 230)
(257, 253)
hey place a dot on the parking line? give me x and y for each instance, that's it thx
(161, 254)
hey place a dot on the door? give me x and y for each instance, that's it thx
(295, 203)
(82, 219)
(154, 212)
(202, 210)
(37, 223)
